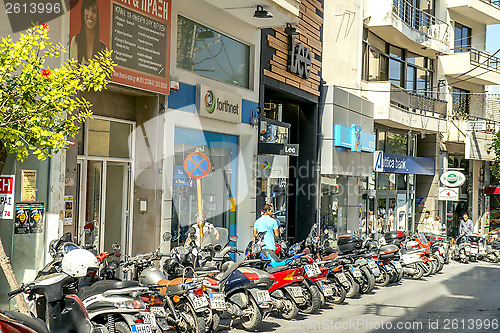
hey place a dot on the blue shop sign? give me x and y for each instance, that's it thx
(384, 162)
(353, 138)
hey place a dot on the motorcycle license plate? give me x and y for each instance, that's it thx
(217, 301)
(263, 296)
(148, 318)
(158, 311)
(356, 272)
(327, 289)
(342, 278)
(198, 301)
(474, 250)
(296, 291)
(141, 328)
(397, 265)
(312, 270)
(371, 264)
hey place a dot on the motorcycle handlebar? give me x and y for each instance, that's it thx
(15, 292)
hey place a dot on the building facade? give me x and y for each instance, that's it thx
(421, 66)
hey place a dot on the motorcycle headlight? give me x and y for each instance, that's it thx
(132, 305)
(257, 248)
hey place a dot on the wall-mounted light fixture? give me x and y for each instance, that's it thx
(290, 31)
(262, 13)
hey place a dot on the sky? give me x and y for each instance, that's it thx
(492, 45)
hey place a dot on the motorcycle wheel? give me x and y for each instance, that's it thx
(291, 309)
(383, 279)
(429, 268)
(393, 275)
(353, 290)
(434, 267)
(313, 298)
(400, 276)
(122, 327)
(251, 321)
(339, 294)
(193, 323)
(214, 326)
(447, 258)
(426, 266)
(440, 264)
(419, 272)
(368, 281)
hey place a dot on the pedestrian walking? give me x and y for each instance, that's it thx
(268, 224)
(427, 222)
(466, 225)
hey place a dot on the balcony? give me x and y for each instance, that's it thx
(474, 66)
(400, 108)
(284, 11)
(475, 144)
(404, 25)
(484, 11)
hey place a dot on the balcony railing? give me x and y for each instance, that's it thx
(492, 126)
(492, 2)
(417, 103)
(480, 58)
(419, 20)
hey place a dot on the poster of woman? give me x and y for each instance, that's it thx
(87, 43)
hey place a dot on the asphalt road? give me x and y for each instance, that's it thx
(463, 297)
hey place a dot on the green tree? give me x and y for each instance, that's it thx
(40, 108)
(495, 166)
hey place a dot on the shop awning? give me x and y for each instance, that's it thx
(492, 190)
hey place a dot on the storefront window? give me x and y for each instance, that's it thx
(209, 53)
(386, 181)
(397, 143)
(218, 188)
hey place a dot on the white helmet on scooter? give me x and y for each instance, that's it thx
(79, 263)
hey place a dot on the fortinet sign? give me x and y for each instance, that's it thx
(219, 104)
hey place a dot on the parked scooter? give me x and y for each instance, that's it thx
(245, 285)
(462, 249)
(57, 309)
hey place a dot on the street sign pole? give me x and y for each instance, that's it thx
(198, 185)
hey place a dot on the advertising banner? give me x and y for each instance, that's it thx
(384, 162)
(219, 104)
(138, 33)
(29, 218)
(28, 185)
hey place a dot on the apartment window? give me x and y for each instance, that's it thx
(462, 38)
(209, 53)
(402, 67)
(461, 102)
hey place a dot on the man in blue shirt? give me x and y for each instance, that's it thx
(267, 223)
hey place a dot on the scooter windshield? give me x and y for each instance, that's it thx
(215, 236)
(421, 237)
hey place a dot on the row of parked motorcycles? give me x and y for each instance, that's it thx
(474, 247)
(190, 288)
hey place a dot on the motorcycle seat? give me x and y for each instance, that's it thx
(34, 323)
(101, 286)
(205, 269)
(276, 269)
(272, 255)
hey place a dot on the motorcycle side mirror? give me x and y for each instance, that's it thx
(89, 226)
(233, 238)
(167, 236)
(66, 237)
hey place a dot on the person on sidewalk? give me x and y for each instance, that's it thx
(268, 224)
(427, 222)
(466, 226)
